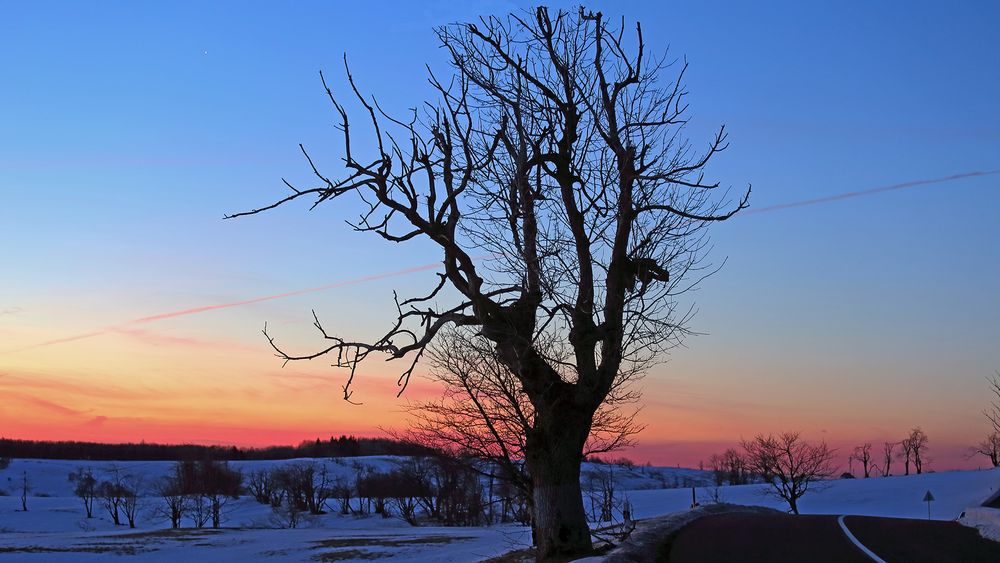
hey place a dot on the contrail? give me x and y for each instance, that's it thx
(196, 310)
(871, 191)
(354, 281)
(414, 269)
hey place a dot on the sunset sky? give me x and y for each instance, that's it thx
(127, 131)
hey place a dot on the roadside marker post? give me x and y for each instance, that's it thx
(928, 498)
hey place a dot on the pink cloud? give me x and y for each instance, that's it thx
(45, 404)
(96, 422)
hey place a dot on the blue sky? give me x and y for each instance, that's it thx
(127, 131)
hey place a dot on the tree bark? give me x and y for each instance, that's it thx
(794, 505)
(553, 452)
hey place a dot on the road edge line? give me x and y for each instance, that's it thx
(856, 542)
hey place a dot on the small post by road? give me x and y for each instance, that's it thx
(928, 498)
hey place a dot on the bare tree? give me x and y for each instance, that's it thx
(863, 454)
(343, 491)
(916, 445)
(990, 447)
(993, 412)
(905, 454)
(306, 485)
(209, 485)
(25, 489)
(729, 467)
(261, 484)
(790, 465)
(86, 489)
(175, 502)
(130, 499)
(887, 455)
(553, 174)
(112, 495)
(484, 417)
(199, 509)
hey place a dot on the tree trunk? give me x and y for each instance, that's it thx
(794, 505)
(553, 451)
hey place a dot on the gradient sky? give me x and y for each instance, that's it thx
(127, 130)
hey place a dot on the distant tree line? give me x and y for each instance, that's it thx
(440, 489)
(344, 446)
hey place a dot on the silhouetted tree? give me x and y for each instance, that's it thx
(990, 447)
(790, 465)
(307, 485)
(209, 484)
(4, 462)
(905, 454)
(25, 489)
(174, 500)
(729, 467)
(993, 412)
(484, 417)
(86, 489)
(343, 491)
(199, 509)
(262, 483)
(130, 499)
(863, 454)
(553, 174)
(112, 495)
(916, 445)
(887, 456)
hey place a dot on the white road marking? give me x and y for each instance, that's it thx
(854, 540)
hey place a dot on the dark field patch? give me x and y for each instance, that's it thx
(101, 548)
(350, 554)
(387, 542)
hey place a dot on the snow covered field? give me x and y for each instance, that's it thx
(55, 529)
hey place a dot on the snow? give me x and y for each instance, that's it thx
(55, 529)
(898, 496)
(986, 520)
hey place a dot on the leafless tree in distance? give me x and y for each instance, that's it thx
(906, 454)
(993, 412)
(916, 445)
(730, 467)
(25, 489)
(553, 173)
(789, 464)
(174, 501)
(86, 489)
(863, 454)
(131, 501)
(887, 455)
(990, 447)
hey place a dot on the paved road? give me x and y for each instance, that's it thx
(783, 538)
(726, 538)
(903, 539)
